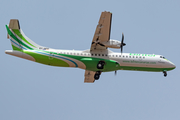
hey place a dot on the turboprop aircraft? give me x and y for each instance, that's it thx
(95, 60)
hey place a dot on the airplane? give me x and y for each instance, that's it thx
(95, 60)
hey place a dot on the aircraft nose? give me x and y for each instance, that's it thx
(172, 65)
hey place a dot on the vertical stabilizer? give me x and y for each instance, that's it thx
(18, 39)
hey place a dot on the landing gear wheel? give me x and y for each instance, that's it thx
(98, 72)
(96, 76)
(165, 73)
(100, 65)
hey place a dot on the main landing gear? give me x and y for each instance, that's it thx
(97, 75)
(165, 73)
(100, 65)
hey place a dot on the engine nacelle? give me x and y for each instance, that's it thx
(112, 44)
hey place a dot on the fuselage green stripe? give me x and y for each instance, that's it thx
(16, 48)
(145, 69)
(45, 59)
(15, 38)
(17, 32)
(111, 65)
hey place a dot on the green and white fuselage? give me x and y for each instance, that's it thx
(88, 60)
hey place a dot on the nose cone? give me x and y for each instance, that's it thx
(172, 65)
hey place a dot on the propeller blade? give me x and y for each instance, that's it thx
(115, 72)
(122, 43)
(122, 38)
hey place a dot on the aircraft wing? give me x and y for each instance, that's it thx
(89, 76)
(102, 33)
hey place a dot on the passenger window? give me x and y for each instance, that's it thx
(129, 56)
(92, 54)
(102, 54)
(126, 56)
(106, 54)
(99, 55)
(95, 54)
(116, 55)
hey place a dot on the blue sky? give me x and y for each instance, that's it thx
(30, 90)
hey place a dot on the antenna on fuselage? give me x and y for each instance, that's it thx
(115, 72)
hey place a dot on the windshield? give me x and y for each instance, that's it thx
(162, 57)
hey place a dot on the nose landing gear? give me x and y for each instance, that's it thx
(165, 73)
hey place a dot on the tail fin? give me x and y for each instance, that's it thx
(19, 41)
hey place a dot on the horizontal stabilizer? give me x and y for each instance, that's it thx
(19, 54)
(14, 24)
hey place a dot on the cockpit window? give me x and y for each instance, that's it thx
(162, 57)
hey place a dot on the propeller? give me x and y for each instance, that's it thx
(122, 43)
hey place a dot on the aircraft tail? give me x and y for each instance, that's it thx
(19, 41)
